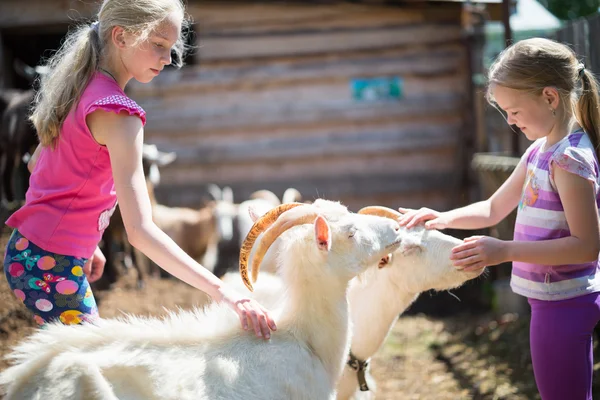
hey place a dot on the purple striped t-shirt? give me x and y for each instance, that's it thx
(540, 216)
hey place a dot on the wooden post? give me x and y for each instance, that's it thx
(2, 64)
(508, 40)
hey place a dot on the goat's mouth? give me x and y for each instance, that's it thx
(394, 244)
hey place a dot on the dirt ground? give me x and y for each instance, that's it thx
(460, 357)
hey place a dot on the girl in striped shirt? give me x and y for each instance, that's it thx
(550, 96)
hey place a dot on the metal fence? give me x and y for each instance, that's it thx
(582, 35)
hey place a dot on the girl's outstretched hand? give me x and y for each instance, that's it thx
(478, 252)
(250, 312)
(433, 219)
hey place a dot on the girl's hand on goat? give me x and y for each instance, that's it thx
(479, 252)
(94, 267)
(433, 219)
(250, 313)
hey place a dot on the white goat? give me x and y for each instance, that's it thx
(195, 355)
(380, 295)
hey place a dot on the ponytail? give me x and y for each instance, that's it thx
(587, 108)
(70, 70)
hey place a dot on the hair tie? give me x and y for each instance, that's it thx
(580, 69)
(95, 27)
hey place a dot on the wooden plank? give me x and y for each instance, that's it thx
(331, 187)
(296, 104)
(19, 13)
(307, 92)
(412, 62)
(291, 114)
(435, 199)
(193, 139)
(309, 43)
(251, 18)
(219, 16)
(414, 160)
(336, 87)
(357, 143)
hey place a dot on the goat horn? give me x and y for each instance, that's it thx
(380, 211)
(287, 221)
(259, 226)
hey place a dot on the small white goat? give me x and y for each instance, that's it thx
(195, 355)
(380, 295)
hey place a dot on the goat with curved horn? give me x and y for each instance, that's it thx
(380, 211)
(301, 216)
(259, 226)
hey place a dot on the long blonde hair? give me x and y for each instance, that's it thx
(71, 68)
(533, 64)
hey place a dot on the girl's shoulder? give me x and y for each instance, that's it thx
(575, 154)
(104, 93)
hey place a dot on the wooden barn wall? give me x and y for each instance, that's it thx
(269, 105)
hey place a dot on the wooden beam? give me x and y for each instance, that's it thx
(331, 187)
(417, 160)
(216, 48)
(285, 148)
(20, 13)
(417, 61)
(200, 118)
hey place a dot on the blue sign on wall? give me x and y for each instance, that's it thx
(379, 88)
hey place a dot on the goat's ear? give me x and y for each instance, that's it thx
(253, 215)
(227, 194)
(166, 158)
(322, 233)
(385, 261)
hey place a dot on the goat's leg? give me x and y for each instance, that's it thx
(98, 387)
(135, 261)
(7, 176)
(3, 160)
(81, 379)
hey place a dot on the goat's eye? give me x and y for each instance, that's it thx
(351, 234)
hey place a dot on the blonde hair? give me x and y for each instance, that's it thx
(533, 64)
(71, 68)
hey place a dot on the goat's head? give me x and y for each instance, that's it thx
(152, 158)
(225, 209)
(344, 241)
(28, 72)
(422, 261)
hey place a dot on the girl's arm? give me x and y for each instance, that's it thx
(478, 215)
(123, 136)
(579, 202)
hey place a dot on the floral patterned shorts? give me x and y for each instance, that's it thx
(52, 286)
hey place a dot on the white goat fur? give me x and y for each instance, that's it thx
(378, 296)
(205, 355)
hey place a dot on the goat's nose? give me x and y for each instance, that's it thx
(396, 226)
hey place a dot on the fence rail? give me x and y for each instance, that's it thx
(580, 35)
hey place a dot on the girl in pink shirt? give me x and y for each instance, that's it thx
(90, 155)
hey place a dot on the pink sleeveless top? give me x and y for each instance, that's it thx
(71, 192)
